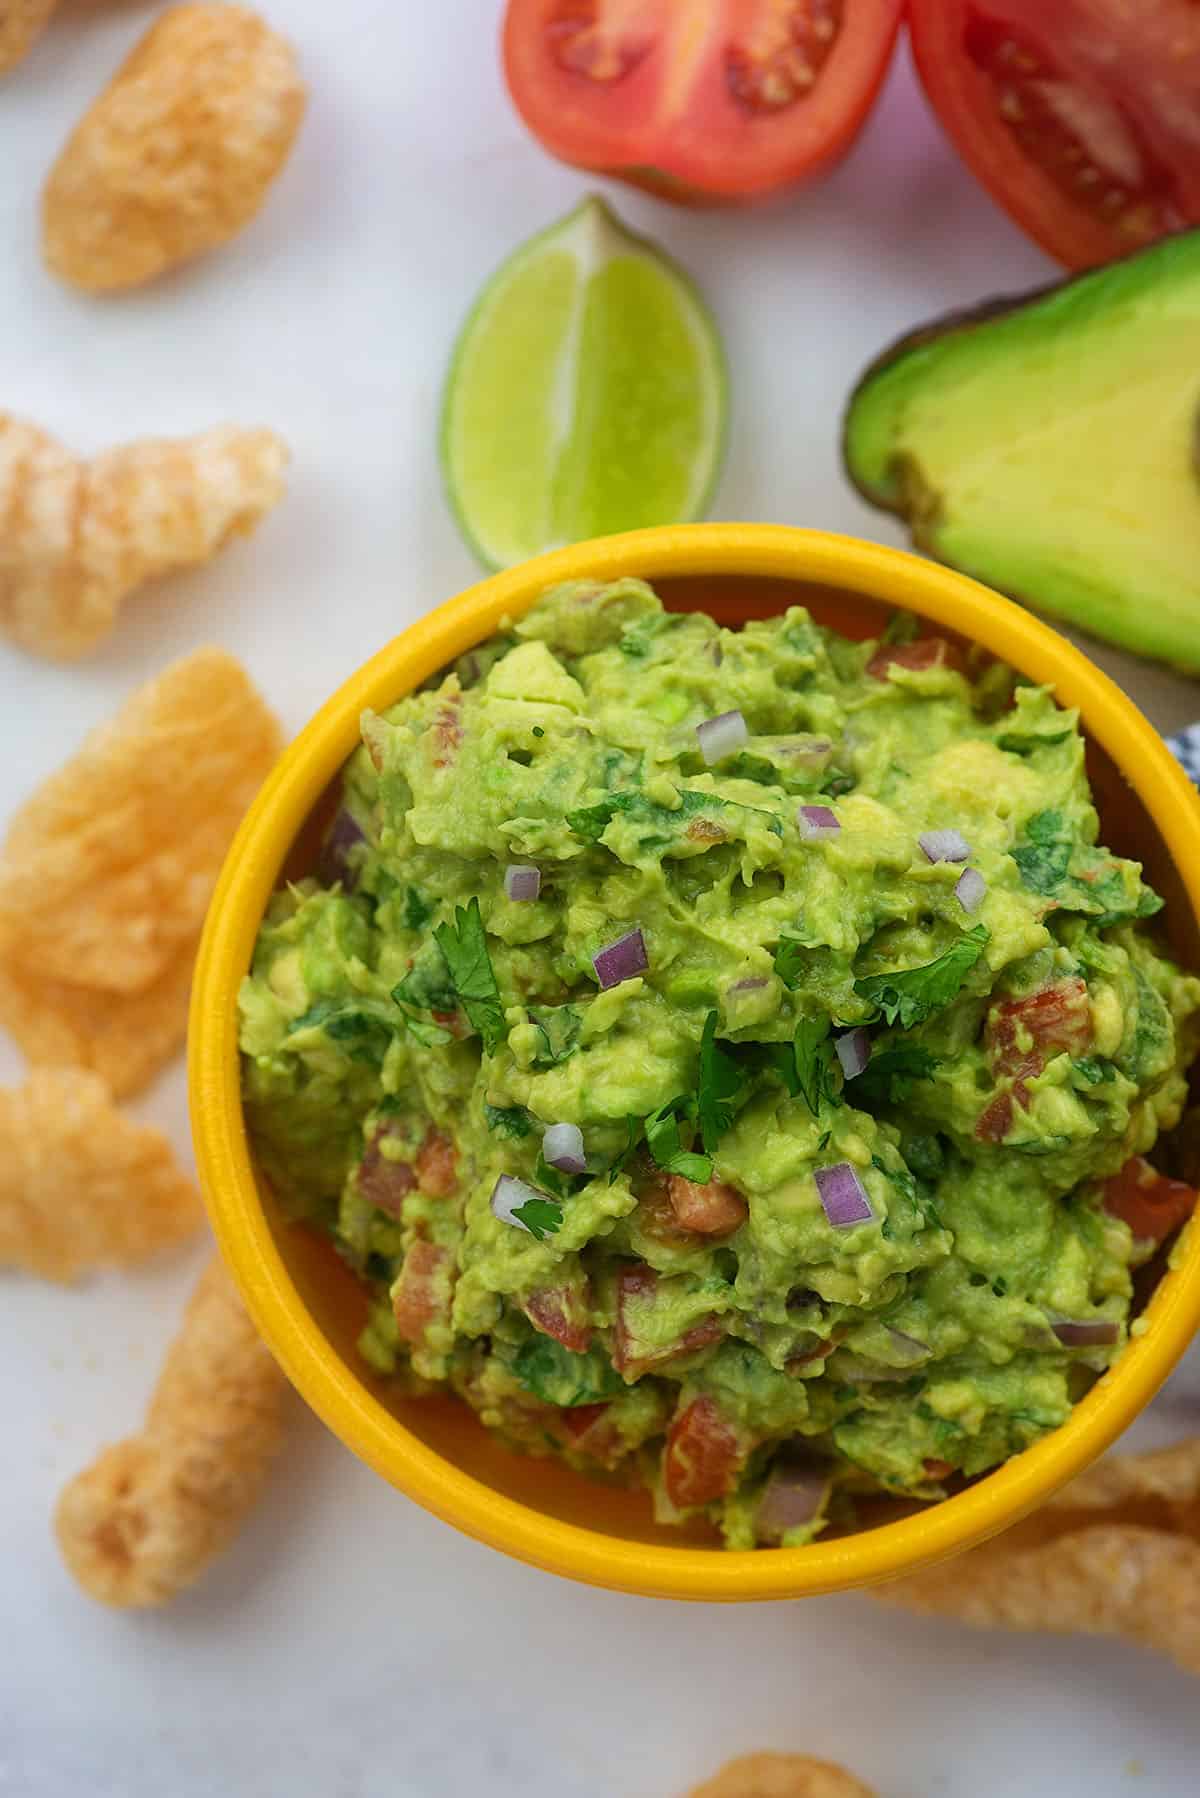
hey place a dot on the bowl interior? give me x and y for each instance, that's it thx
(337, 1302)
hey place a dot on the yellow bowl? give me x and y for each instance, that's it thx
(309, 1308)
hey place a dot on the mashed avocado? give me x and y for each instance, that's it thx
(853, 1017)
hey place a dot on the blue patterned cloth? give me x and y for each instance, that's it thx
(1185, 747)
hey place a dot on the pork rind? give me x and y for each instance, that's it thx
(781, 1776)
(151, 1513)
(21, 24)
(79, 537)
(82, 1186)
(178, 152)
(108, 868)
(1116, 1553)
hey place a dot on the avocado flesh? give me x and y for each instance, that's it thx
(1046, 446)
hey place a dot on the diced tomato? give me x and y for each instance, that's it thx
(713, 1209)
(936, 1469)
(1022, 1035)
(1151, 1203)
(422, 1295)
(577, 1420)
(1080, 117)
(384, 1182)
(437, 1166)
(637, 1289)
(561, 1312)
(656, 1215)
(702, 1455)
(715, 102)
(926, 652)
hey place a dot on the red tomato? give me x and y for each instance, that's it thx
(423, 1294)
(926, 652)
(1055, 1021)
(437, 1174)
(637, 1294)
(702, 101)
(702, 1456)
(1081, 117)
(710, 1210)
(561, 1312)
(1150, 1203)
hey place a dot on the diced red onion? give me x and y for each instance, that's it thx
(908, 1347)
(508, 1195)
(521, 882)
(853, 1051)
(753, 983)
(944, 845)
(970, 889)
(344, 833)
(721, 736)
(562, 1147)
(622, 960)
(1092, 1332)
(843, 1196)
(793, 1496)
(816, 822)
(805, 752)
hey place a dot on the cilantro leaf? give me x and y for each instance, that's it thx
(666, 1148)
(417, 909)
(591, 821)
(790, 958)
(464, 945)
(559, 1376)
(1078, 876)
(427, 985)
(558, 1027)
(633, 1127)
(813, 1052)
(511, 1121)
(888, 1077)
(1094, 1070)
(541, 1217)
(360, 1034)
(720, 1082)
(913, 994)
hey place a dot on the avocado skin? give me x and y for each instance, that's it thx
(1110, 598)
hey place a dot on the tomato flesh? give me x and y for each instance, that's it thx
(422, 1296)
(1151, 1203)
(702, 1456)
(1022, 1035)
(926, 652)
(1081, 118)
(561, 1312)
(713, 1209)
(700, 100)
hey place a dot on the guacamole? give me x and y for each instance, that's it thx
(720, 1054)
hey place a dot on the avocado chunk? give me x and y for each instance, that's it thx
(1046, 445)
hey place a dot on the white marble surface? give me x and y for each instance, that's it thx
(350, 1645)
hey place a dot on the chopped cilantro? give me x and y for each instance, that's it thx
(812, 1048)
(538, 731)
(511, 1121)
(888, 1077)
(1093, 1070)
(633, 1128)
(361, 1035)
(790, 960)
(911, 995)
(591, 821)
(417, 909)
(558, 1028)
(559, 1376)
(541, 1217)
(1078, 876)
(464, 945)
(666, 1148)
(720, 1082)
(823, 1140)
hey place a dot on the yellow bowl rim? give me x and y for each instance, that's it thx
(249, 875)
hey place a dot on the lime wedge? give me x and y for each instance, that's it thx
(587, 394)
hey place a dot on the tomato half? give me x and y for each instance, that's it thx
(1082, 117)
(1152, 1204)
(699, 100)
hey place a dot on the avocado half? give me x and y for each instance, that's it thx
(1047, 445)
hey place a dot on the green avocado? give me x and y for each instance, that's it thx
(773, 1256)
(1045, 444)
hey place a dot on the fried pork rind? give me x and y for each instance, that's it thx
(79, 537)
(781, 1776)
(1116, 1553)
(108, 868)
(177, 154)
(21, 24)
(150, 1514)
(81, 1185)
